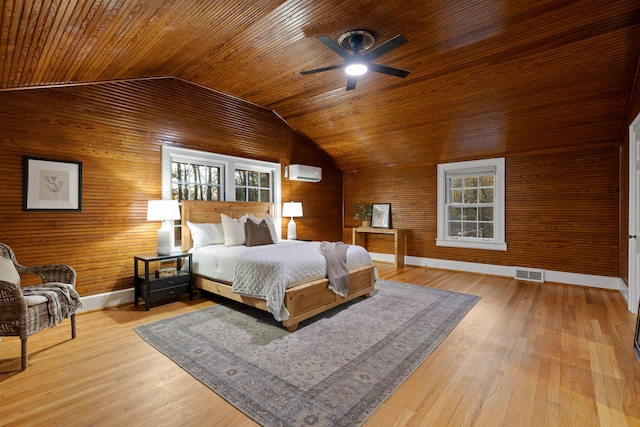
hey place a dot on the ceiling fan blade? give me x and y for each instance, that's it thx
(387, 70)
(351, 82)
(319, 70)
(388, 46)
(334, 46)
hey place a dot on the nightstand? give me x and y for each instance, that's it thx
(162, 277)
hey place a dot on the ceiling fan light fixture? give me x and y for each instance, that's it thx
(356, 64)
(356, 69)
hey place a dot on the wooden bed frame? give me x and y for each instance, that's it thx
(302, 301)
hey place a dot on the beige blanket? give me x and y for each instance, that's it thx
(62, 300)
(336, 255)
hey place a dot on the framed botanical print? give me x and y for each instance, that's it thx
(381, 216)
(52, 185)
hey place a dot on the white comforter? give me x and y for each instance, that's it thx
(267, 271)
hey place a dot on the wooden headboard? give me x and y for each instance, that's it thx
(200, 211)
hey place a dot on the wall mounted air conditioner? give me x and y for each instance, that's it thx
(305, 173)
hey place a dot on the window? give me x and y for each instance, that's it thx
(471, 204)
(252, 186)
(198, 175)
(195, 180)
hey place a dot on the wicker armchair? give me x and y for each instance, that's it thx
(24, 315)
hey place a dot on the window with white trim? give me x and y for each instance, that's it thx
(195, 179)
(198, 175)
(252, 185)
(471, 204)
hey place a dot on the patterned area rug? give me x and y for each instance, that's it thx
(335, 370)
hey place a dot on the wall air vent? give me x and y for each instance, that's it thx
(305, 173)
(531, 274)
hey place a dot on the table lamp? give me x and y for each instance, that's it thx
(165, 211)
(292, 210)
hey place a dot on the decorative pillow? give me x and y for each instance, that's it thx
(234, 230)
(257, 234)
(272, 227)
(205, 234)
(8, 272)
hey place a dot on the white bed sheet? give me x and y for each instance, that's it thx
(267, 271)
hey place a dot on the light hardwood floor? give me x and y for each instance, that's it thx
(527, 354)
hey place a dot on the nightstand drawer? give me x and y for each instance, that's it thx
(168, 293)
(167, 282)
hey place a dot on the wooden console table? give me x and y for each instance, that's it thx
(398, 244)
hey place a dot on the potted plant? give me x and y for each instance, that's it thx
(364, 211)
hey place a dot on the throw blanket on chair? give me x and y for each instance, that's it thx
(337, 272)
(63, 300)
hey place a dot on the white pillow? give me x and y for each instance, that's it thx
(269, 221)
(205, 234)
(234, 230)
(220, 230)
(8, 272)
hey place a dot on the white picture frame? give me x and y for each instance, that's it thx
(52, 185)
(381, 215)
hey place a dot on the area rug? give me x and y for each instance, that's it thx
(335, 370)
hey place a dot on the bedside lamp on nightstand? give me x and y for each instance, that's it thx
(292, 210)
(165, 211)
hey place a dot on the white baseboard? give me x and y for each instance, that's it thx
(106, 300)
(126, 296)
(602, 282)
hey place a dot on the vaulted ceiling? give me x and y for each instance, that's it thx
(488, 77)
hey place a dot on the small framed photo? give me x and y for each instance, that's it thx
(52, 185)
(381, 216)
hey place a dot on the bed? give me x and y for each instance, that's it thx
(301, 300)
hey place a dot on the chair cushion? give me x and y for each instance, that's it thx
(8, 271)
(62, 300)
(32, 300)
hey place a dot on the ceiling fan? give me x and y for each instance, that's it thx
(357, 63)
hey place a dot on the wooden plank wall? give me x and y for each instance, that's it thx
(562, 211)
(563, 208)
(117, 130)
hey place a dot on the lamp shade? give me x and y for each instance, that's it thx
(163, 210)
(292, 209)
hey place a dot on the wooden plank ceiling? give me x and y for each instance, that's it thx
(487, 77)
